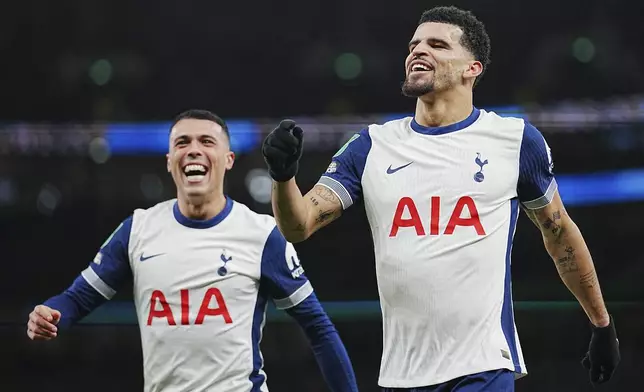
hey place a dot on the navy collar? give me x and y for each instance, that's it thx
(447, 128)
(202, 224)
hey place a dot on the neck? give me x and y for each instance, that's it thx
(202, 208)
(437, 110)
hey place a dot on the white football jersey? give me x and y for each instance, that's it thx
(201, 289)
(442, 204)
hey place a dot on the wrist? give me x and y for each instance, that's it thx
(280, 176)
(601, 322)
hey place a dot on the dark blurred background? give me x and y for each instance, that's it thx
(88, 89)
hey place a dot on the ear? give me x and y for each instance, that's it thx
(167, 162)
(473, 70)
(230, 160)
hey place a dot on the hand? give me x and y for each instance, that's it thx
(42, 323)
(282, 150)
(603, 353)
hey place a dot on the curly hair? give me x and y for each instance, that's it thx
(474, 39)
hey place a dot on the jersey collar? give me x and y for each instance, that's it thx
(202, 224)
(448, 128)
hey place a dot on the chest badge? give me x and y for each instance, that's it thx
(479, 177)
(225, 259)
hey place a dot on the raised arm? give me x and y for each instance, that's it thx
(297, 216)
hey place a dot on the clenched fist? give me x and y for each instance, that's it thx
(42, 323)
(282, 150)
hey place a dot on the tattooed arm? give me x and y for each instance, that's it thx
(567, 247)
(297, 216)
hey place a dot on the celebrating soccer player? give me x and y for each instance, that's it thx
(442, 192)
(204, 268)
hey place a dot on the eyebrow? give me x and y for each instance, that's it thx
(202, 136)
(416, 41)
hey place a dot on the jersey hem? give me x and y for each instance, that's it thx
(392, 383)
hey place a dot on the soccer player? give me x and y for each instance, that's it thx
(204, 268)
(442, 192)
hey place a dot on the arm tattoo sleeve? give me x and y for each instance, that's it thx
(567, 263)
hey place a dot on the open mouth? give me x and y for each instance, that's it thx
(195, 172)
(419, 66)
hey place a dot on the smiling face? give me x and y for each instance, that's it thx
(437, 60)
(198, 157)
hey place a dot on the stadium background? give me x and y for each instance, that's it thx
(88, 88)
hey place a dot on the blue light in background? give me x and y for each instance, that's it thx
(601, 187)
(152, 138)
(575, 189)
(137, 138)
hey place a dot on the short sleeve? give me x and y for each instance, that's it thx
(537, 185)
(282, 273)
(344, 174)
(110, 269)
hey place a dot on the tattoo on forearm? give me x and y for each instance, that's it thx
(326, 194)
(552, 225)
(324, 216)
(315, 202)
(567, 263)
(589, 279)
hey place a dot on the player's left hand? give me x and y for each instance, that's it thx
(603, 353)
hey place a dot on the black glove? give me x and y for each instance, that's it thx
(603, 353)
(282, 150)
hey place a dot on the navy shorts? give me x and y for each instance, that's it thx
(493, 381)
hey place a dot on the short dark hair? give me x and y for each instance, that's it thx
(474, 38)
(201, 114)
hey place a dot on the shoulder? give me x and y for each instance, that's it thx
(375, 133)
(389, 127)
(142, 215)
(260, 232)
(505, 122)
(375, 129)
(242, 212)
(254, 227)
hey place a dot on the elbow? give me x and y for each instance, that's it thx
(565, 236)
(295, 237)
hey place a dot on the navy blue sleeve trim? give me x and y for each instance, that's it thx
(536, 186)
(111, 266)
(282, 273)
(329, 351)
(79, 300)
(344, 174)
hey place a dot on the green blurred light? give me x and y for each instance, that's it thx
(583, 49)
(124, 312)
(101, 72)
(348, 66)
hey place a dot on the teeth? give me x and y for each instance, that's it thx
(194, 167)
(196, 178)
(419, 67)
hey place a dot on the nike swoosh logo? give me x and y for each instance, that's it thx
(392, 171)
(143, 258)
